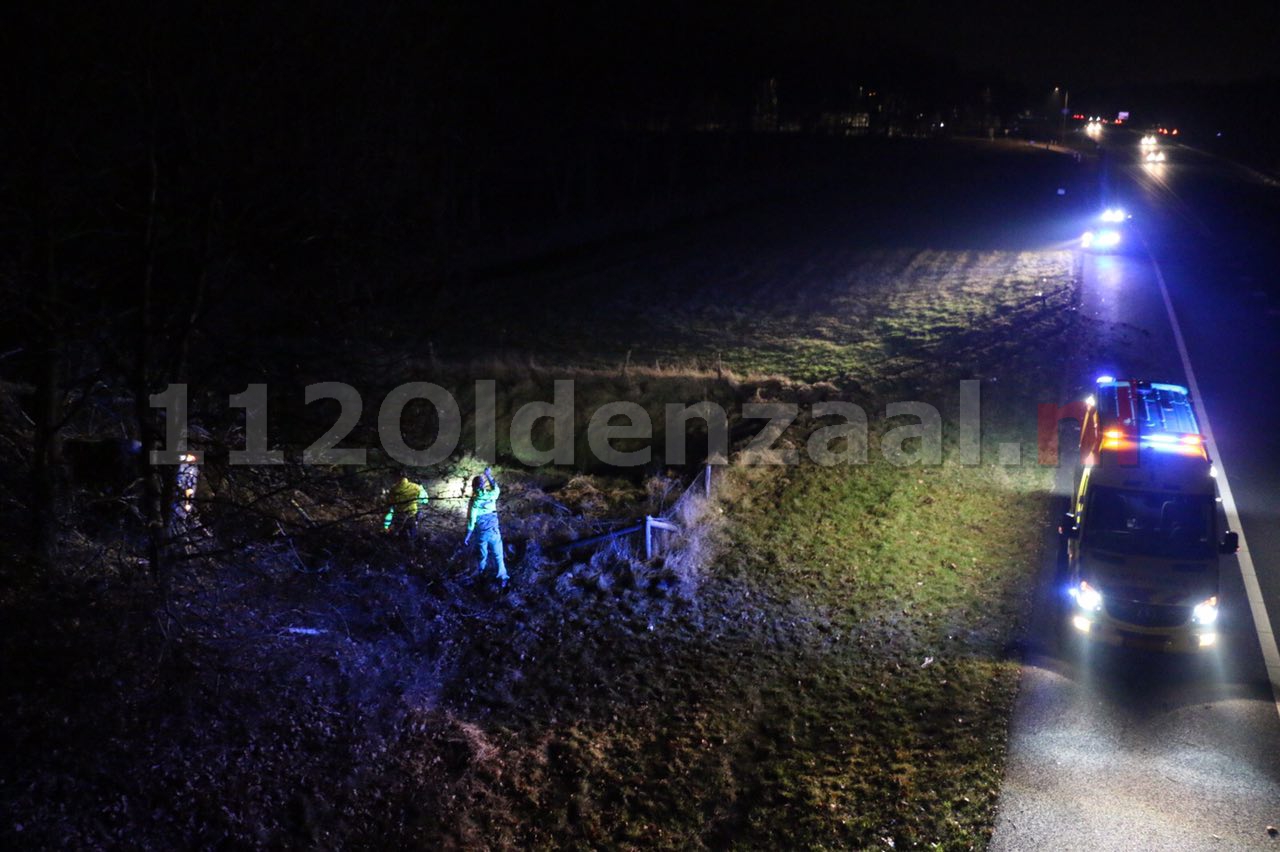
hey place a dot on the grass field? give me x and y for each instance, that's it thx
(824, 664)
(842, 676)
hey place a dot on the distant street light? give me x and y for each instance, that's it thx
(1066, 107)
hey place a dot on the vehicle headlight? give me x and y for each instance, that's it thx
(1205, 612)
(1107, 239)
(1087, 597)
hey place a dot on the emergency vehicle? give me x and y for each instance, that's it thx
(1142, 537)
(1110, 232)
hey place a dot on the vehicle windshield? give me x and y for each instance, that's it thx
(1145, 523)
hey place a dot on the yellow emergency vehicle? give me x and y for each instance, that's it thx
(1142, 537)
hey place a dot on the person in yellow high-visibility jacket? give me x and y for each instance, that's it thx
(404, 501)
(482, 518)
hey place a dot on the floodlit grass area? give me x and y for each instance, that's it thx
(912, 580)
(839, 679)
(875, 313)
(842, 680)
(842, 676)
(854, 313)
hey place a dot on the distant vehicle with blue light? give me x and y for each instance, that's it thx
(1142, 538)
(1110, 231)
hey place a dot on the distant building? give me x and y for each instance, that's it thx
(764, 115)
(844, 123)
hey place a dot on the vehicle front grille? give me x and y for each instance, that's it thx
(1148, 615)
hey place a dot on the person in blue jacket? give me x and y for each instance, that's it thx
(482, 519)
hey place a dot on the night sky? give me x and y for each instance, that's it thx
(1081, 44)
(628, 53)
(1096, 43)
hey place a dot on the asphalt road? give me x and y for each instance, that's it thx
(1112, 750)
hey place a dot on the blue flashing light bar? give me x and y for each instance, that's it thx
(1148, 415)
(1164, 386)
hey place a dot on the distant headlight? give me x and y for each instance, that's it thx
(1205, 612)
(1087, 597)
(1113, 214)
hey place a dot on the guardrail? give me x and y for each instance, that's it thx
(653, 525)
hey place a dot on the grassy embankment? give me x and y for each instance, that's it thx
(825, 668)
(846, 679)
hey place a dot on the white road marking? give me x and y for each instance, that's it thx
(1261, 621)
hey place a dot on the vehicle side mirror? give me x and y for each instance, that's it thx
(1230, 542)
(1067, 526)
